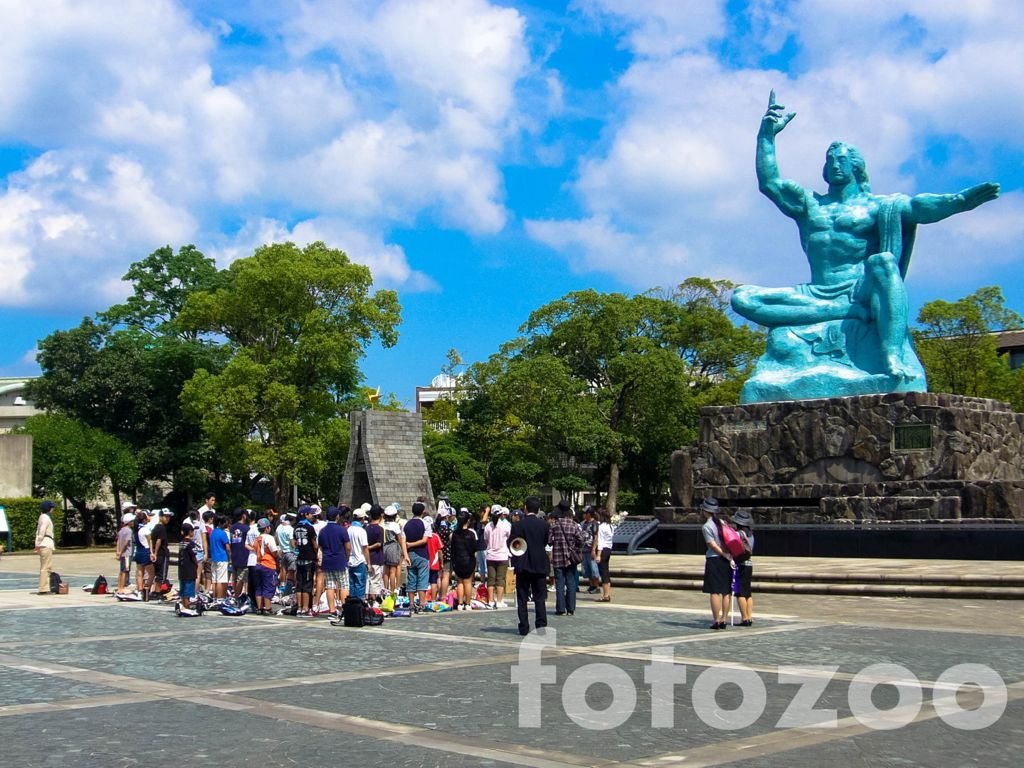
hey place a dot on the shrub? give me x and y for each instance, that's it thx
(23, 516)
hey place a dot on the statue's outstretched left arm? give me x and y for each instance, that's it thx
(928, 208)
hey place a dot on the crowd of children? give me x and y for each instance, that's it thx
(310, 562)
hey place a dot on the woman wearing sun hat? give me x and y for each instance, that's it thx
(717, 565)
(744, 523)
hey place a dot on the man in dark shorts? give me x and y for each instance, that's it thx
(305, 542)
(161, 554)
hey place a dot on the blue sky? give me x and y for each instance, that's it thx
(486, 157)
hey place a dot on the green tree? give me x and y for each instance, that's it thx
(453, 469)
(611, 381)
(123, 372)
(958, 350)
(161, 284)
(73, 459)
(297, 322)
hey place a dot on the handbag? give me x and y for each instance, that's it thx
(731, 540)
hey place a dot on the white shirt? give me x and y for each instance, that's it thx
(145, 531)
(250, 541)
(604, 536)
(357, 537)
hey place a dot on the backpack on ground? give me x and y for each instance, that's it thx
(54, 582)
(372, 616)
(99, 587)
(353, 611)
(392, 550)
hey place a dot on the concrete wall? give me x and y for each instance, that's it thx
(15, 466)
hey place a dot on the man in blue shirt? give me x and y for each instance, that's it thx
(418, 570)
(334, 545)
(220, 542)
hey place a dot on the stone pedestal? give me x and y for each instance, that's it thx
(385, 460)
(911, 457)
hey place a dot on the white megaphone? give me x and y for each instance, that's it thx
(517, 546)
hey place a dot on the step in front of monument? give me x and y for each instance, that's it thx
(691, 576)
(978, 592)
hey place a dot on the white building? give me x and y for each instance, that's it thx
(14, 407)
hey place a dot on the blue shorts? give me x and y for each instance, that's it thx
(142, 556)
(126, 564)
(417, 574)
(188, 589)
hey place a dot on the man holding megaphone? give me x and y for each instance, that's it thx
(529, 538)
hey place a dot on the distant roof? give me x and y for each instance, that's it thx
(14, 384)
(1007, 339)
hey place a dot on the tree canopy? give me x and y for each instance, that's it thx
(957, 347)
(606, 381)
(296, 322)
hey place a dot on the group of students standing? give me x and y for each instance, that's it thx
(320, 555)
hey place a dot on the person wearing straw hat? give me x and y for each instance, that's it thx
(744, 523)
(717, 565)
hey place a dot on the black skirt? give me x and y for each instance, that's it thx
(717, 576)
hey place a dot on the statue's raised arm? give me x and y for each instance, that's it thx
(787, 195)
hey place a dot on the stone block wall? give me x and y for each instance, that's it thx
(895, 458)
(385, 460)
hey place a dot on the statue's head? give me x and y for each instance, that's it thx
(856, 159)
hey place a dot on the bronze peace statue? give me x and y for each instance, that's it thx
(846, 331)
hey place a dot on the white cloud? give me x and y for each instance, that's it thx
(372, 116)
(387, 262)
(657, 28)
(465, 52)
(66, 222)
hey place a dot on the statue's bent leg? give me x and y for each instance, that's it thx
(774, 307)
(890, 311)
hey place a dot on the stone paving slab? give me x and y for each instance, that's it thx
(931, 743)
(20, 686)
(926, 654)
(106, 617)
(592, 624)
(247, 650)
(21, 581)
(179, 734)
(482, 702)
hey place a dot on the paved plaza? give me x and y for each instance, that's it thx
(87, 681)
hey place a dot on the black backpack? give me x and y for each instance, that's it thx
(99, 587)
(352, 611)
(54, 582)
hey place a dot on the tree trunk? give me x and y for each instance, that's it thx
(282, 493)
(613, 486)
